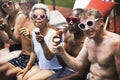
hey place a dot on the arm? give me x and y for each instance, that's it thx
(117, 58)
(15, 36)
(78, 63)
(48, 51)
(4, 36)
(30, 62)
(21, 18)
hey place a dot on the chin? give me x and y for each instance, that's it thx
(37, 24)
(91, 36)
(72, 31)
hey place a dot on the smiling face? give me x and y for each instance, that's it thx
(8, 6)
(91, 27)
(91, 23)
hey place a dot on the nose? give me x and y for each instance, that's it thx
(7, 5)
(86, 27)
(38, 17)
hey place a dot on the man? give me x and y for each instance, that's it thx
(101, 48)
(73, 42)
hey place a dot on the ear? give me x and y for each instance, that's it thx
(101, 22)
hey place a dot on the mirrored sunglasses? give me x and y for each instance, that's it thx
(74, 20)
(5, 5)
(89, 23)
(35, 16)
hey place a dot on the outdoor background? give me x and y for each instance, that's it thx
(63, 3)
(70, 3)
(65, 8)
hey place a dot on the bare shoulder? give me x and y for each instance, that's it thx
(115, 40)
(21, 15)
(114, 36)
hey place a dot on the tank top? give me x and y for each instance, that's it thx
(52, 64)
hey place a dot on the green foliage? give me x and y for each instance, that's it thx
(64, 3)
(70, 3)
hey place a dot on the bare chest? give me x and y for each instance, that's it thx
(102, 54)
(73, 46)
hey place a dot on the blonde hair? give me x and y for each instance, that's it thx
(90, 12)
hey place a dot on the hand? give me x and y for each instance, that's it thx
(59, 49)
(23, 72)
(39, 37)
(1, 21)
(24, 32)
(4, 26)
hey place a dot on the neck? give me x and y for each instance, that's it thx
(100, 38)
(78, 35)
(44, 30)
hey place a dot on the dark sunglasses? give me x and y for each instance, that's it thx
(43, 16)
(74, 20)
(89, 23)
(5, 5)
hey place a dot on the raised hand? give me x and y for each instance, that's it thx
(24, 32)
(39, 36)
(57, 38)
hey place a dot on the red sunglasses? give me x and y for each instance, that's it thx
(74, 20)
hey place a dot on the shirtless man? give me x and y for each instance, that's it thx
(101, 48)
(73, 42)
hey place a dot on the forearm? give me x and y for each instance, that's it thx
(71, 62)
(48, 53)
(11, 34)
(31, 60)
(72, 76)
(4, 36)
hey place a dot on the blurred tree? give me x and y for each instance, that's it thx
(117, 8)
(42, 1)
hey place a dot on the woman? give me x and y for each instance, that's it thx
(41, 38)
(19, 23)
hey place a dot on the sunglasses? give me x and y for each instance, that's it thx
(89, 23)
(24, 5)
(35, 16)
(74, 20)
(5, 5)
